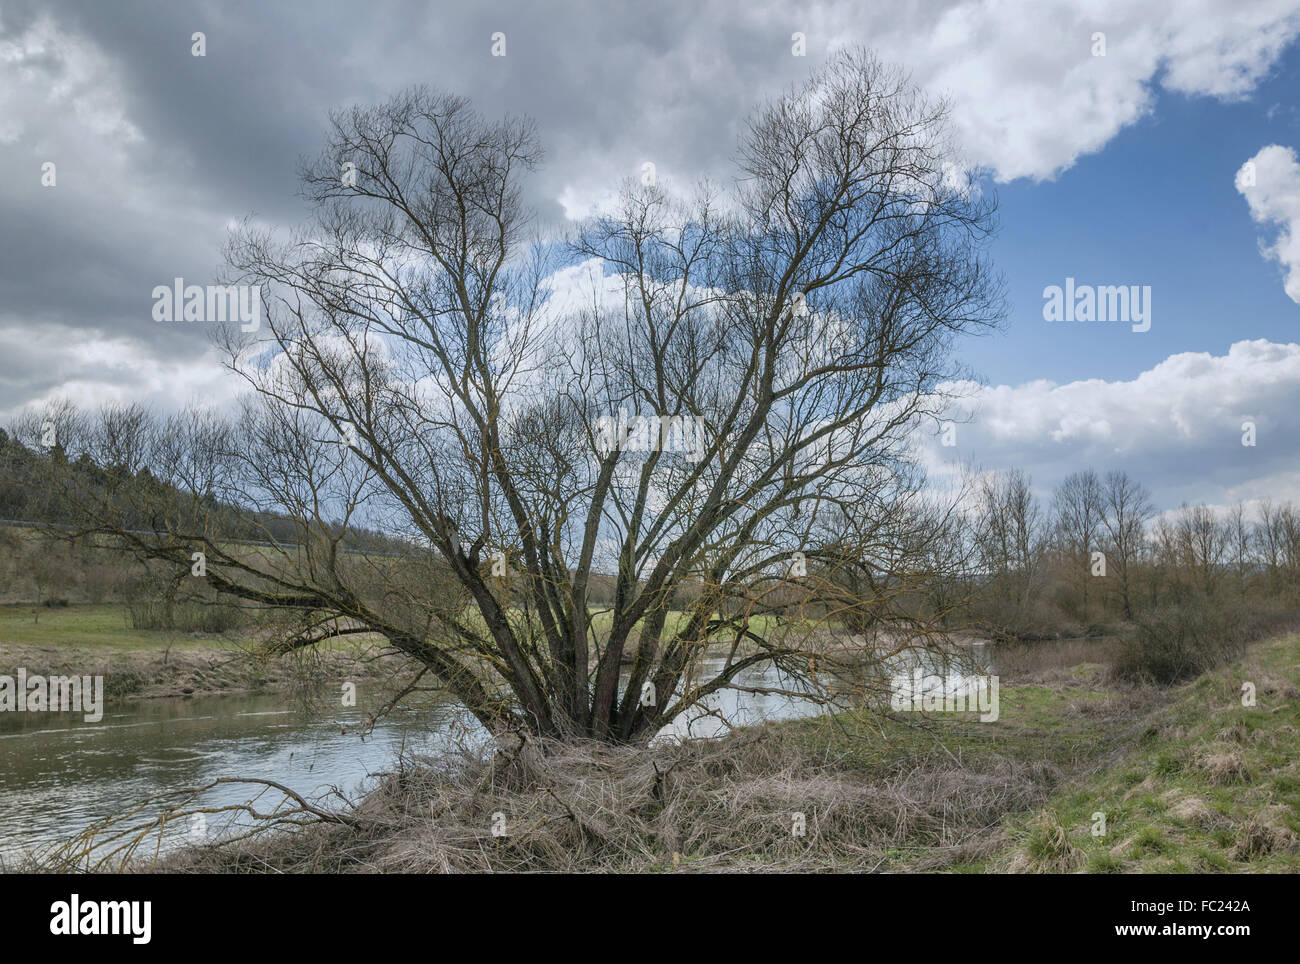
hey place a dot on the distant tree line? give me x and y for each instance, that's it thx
(1098, 552)
(26, 495)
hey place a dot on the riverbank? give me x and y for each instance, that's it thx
(217, 668)
(98, 639)
(1203, 784)
(1187, 778)
(154, 664)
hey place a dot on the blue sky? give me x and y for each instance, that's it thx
(1156, 206)
(1111, 170)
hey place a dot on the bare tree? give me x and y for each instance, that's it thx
(1077, 510)
(1202, 545)
(740, 404)
(1165, 557)
(1277, 539)
(1268, 543)
(1010, 536)
(1126, 509)
(1237, 532)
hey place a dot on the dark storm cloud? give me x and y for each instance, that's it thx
(204, 141)
(159, 153)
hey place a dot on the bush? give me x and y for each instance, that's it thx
(1176, 643)
(122, 683)
(197, 616)
(187, 616)
(1039, 620)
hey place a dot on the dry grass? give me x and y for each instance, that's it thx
(1222, 765)
(1186, 779)
(717, 805)
(1264, 833)
(1192, 810)
(1048, 849)
(1022, 661)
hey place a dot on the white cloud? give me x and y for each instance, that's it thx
(51, 72)
(121, 217)
(1270, 182)
(1176, 427)
(1031, 98)
(96, 368)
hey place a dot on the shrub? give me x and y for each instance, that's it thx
(1176, 643)
(149, 607)
(196, 616)
(189, 616)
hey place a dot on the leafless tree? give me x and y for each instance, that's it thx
(1237, 534)
(1126, 509)
(1277, 540)
(1077, 510)
(1010, 535)
(1202, 545)
(771, 346)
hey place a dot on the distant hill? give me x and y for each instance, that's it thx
(26, 497)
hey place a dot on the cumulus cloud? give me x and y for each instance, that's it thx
(1178, 427)
(1038, 85)
(158, 152)
(93, 368)
(1270, 182)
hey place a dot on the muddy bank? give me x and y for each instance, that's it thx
(152, 674)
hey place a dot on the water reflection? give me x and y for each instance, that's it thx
(59, 774)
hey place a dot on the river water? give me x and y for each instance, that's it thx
(59, 774)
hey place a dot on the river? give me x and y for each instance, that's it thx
(59, 774)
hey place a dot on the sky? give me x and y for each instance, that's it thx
(1148, 144)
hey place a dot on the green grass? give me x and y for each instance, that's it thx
(103, 627)
(108, 627)
(1034, 723)
(1210, 785)
(1189, 780)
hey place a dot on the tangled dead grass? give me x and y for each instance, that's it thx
(747, 802)
(1048, 849)
(1264, 833)
(1222, 764)
(1192, 810)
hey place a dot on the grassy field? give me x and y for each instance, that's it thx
(95, 627)
(146, 664)
(109, 625)
(1188, 779)
(1208, 785)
